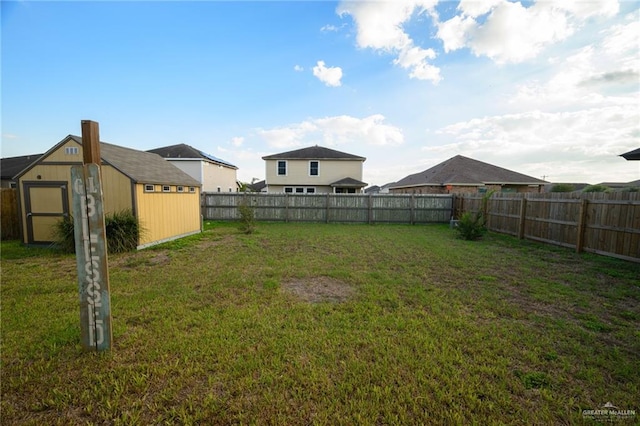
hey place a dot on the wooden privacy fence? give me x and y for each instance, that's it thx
(603, 223)
(10, 226)
(343, 208)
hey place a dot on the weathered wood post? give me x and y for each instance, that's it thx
(91, 245)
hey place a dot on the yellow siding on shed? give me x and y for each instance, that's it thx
(166, 215)
(116, 187)
(59, 154)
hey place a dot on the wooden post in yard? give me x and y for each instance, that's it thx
(523, 216)
(582, 219)
(91, 245)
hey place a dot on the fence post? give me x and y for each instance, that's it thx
(413, 206)
(582, 219)
(328, 201)
(523, 215)
(286, 207)
(370, 209)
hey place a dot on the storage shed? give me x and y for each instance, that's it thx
(165, 200)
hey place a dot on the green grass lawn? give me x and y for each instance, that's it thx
(325, 324)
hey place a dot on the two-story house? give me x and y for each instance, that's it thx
(214, 174)
(314, 170)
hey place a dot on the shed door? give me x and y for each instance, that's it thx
(45, 204)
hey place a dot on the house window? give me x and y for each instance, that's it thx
(192, 189)
(314, 168)
(13, 185)
(219, 189)
(299, 190)
(282, 168)
(230, 190)
(166, 188)
(288, 190)
(180, 188)
(149, 188)
(71, 150)
(311, 190)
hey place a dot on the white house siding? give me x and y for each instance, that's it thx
(298, 173)
(217, 176)
(211, 176)
(190, 167)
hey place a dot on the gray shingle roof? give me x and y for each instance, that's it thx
(140, 166)
(11, 166)
(632, 155)
(463, 170)
(184, 151)
(314, 153)
(349, 182)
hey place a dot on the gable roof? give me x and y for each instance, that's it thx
(11, 166)
(350, 182)
(139, 166)
(314, 153)
(187, 152)
(461, 170)
(631, 155)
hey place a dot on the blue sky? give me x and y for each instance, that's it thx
(549, 89)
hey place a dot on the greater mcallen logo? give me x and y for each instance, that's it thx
(608, 413)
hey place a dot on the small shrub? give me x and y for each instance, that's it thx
(563, 187)
(247, 216)
(471, 226)
(596, 188)
(63, 233)
(122, 230)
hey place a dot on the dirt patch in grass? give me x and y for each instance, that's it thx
(319, 289)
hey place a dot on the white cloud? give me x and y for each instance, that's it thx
(556, 140)
(330, 76)
(332, 131)
(298, 68)
(511, 32)
(603, 73)
(237, 141)
(380, 27)
(329, 28)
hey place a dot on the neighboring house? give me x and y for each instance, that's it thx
(314, 170)
(616, 186)
(631, 155)
(165, 200)
(373, 189)
(465, 175)
(260, 186)
(11, 166)
(214, 174)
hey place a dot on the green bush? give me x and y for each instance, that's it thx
(563, 187)
(471, 226)
(596, 188)
(247, 216)
(122, 229)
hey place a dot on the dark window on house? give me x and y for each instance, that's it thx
(288, 190)
(13, 185)
(299, 190)
(180, 188)
(311, 190)
(166, 188)
(282, 168)
(313, 168)
(149, 188)
(192, 189)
